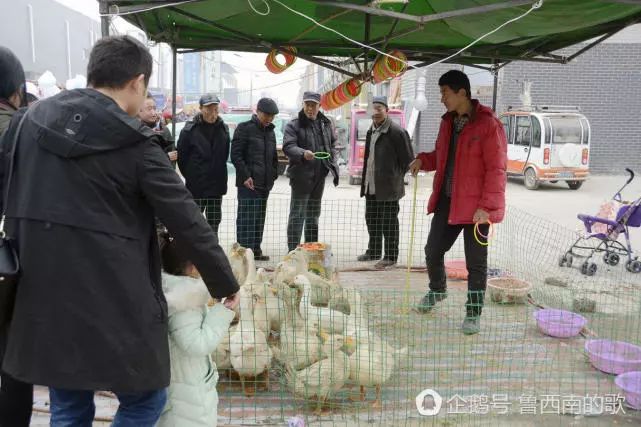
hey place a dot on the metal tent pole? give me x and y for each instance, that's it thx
(174, 78)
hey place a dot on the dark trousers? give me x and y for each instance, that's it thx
(76, 408)
(381, 218)
(213, 210)
(440, 240)
(304, 211)
(16, 400)
(250, 221)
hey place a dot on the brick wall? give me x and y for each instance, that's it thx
(605, 82)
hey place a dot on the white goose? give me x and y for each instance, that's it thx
(299, 342)
(320, 380)
(329, 320)
(372, 364)
(249, 353)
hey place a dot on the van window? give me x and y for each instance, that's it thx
(536, 132)
(523, 131)
(506, 126)
(586, 131)
(365, 123)
(566, 129)
(548, 130)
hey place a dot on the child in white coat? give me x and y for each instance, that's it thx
(195, 330)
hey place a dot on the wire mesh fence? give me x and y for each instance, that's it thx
(305, 345)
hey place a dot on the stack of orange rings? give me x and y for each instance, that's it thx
(478, 235)
(274, 66)
(388, 68)
(341, 95)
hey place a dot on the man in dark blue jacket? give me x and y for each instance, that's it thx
(253, 152)
(203, 149)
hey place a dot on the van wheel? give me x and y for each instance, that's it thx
(354, 180)
(575, 185)
(554, 182)
(531, 183)
(281, 168)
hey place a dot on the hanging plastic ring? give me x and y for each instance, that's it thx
(322, 155)
(478, 235)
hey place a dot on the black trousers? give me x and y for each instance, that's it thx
(440, 240)
(250, 221)
(381, 218)
(304, 211)
(16, 397)
(213, 210)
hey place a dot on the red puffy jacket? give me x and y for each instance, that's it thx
(479, 170)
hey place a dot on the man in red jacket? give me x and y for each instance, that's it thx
(469, 188)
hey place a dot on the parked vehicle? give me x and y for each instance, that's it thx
(548, 144)
(360, 124)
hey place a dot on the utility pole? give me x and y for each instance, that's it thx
(105, 21)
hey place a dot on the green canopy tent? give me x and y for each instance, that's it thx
(426, 31)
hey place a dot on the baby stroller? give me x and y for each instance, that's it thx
(606, 232)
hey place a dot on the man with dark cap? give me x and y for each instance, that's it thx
(311, 132)
(388, 153)
(16, 397)
(203, 149)
(253, 152)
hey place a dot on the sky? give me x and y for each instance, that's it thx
(247, 64)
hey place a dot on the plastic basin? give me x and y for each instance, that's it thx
(614, 357)
(630, 383)
(559, 323)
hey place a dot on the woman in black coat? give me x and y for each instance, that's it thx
(16, 397)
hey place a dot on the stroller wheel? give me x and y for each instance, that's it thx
(588, 268)
(611, 258)
(565, 260)
(634, 266)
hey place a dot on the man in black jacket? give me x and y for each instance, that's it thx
(253, 152)
(310, 133)
(149, 116)
(388, 153)
(203, 149)
(88, 180)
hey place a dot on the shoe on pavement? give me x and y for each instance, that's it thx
(429, 301)
(384, 263)
(471, 325)
(367, 257)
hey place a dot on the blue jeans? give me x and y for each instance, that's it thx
(76, 408)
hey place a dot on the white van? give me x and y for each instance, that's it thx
(547, 143)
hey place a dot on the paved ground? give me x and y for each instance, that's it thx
(538, 227)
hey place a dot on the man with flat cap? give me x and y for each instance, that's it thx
(253, 152)
(388, 153)
(310, 133)
(203, 149)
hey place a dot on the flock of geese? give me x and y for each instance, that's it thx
(318, 331)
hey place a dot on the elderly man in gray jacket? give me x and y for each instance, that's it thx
(388, 153)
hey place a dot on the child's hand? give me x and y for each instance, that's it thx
(232, 301)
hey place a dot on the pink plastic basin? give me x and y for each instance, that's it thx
(559, 323)
(614, 357)
(630, 383)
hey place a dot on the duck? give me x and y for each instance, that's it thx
(221, 356)
(250, 355)
(300, 344)
(242, 264)
(373, 361)
(328, 319)
(325, 377)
